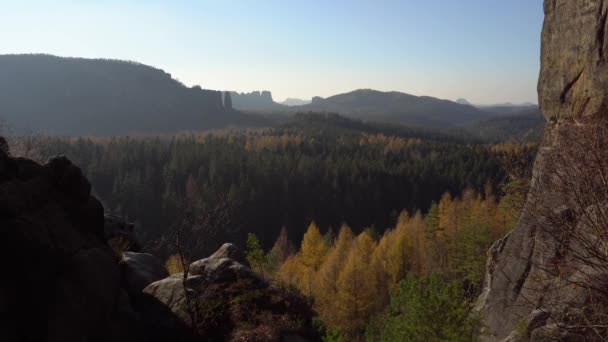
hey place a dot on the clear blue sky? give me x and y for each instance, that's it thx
(486, 51)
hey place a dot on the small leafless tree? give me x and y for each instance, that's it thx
(192, 234)
(569, 209)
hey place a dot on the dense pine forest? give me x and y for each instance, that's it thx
(318, 167)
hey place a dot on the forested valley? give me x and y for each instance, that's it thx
(320, 167)
(384, 228)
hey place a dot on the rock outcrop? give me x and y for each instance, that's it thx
(255, 101)
(540, 278)
(62, 280)
(574, 50)
(139, 270)
(223, 299)
(227, 101)
(65, 282)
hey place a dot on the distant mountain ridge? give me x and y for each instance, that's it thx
(78, 96)
(395, 107)
(295, 102)
(463, 101)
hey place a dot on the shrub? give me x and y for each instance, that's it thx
(427, 309)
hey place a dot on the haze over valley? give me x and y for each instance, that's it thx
(77, 96)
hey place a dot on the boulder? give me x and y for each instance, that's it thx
(139, 270)
(226, 251)
(222, 299)
(64, 282)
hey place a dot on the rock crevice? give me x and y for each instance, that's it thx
(544, 261)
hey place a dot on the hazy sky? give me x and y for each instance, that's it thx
(486, 51)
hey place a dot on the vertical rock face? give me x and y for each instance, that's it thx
(574, 50)
(227, 101)
(534, 273)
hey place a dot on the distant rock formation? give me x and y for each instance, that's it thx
(540, 278)
(316, 100)
(227, 101)
(255, 101)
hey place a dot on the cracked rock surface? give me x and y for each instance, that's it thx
(573, 95)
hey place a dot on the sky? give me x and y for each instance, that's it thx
(486, 51)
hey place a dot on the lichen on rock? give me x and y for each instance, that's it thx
(548, 264)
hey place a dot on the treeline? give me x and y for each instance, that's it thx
(318, 168)
(416, 281)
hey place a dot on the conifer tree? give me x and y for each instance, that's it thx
(356, 289)
(281, 250)
(313, 251)
(292, 271)
(327, 277)
(255, 254)
(382, 267)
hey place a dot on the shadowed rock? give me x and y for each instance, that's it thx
(64, 282)
(224, 300)
(533, 273)
(139, 270)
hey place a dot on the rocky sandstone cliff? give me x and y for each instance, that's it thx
(62, 279)
(542, 276)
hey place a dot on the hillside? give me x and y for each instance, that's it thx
(523, 125)
(295, 102)
(98, 96)
(395, 107)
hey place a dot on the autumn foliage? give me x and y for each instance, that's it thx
(351, 277)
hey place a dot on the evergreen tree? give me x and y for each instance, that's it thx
(255, 254)
(427, 309)
(283, 248)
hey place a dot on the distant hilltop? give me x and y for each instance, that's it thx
(463, 101)
(395, 107)
(295, 102)
(79, 96)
